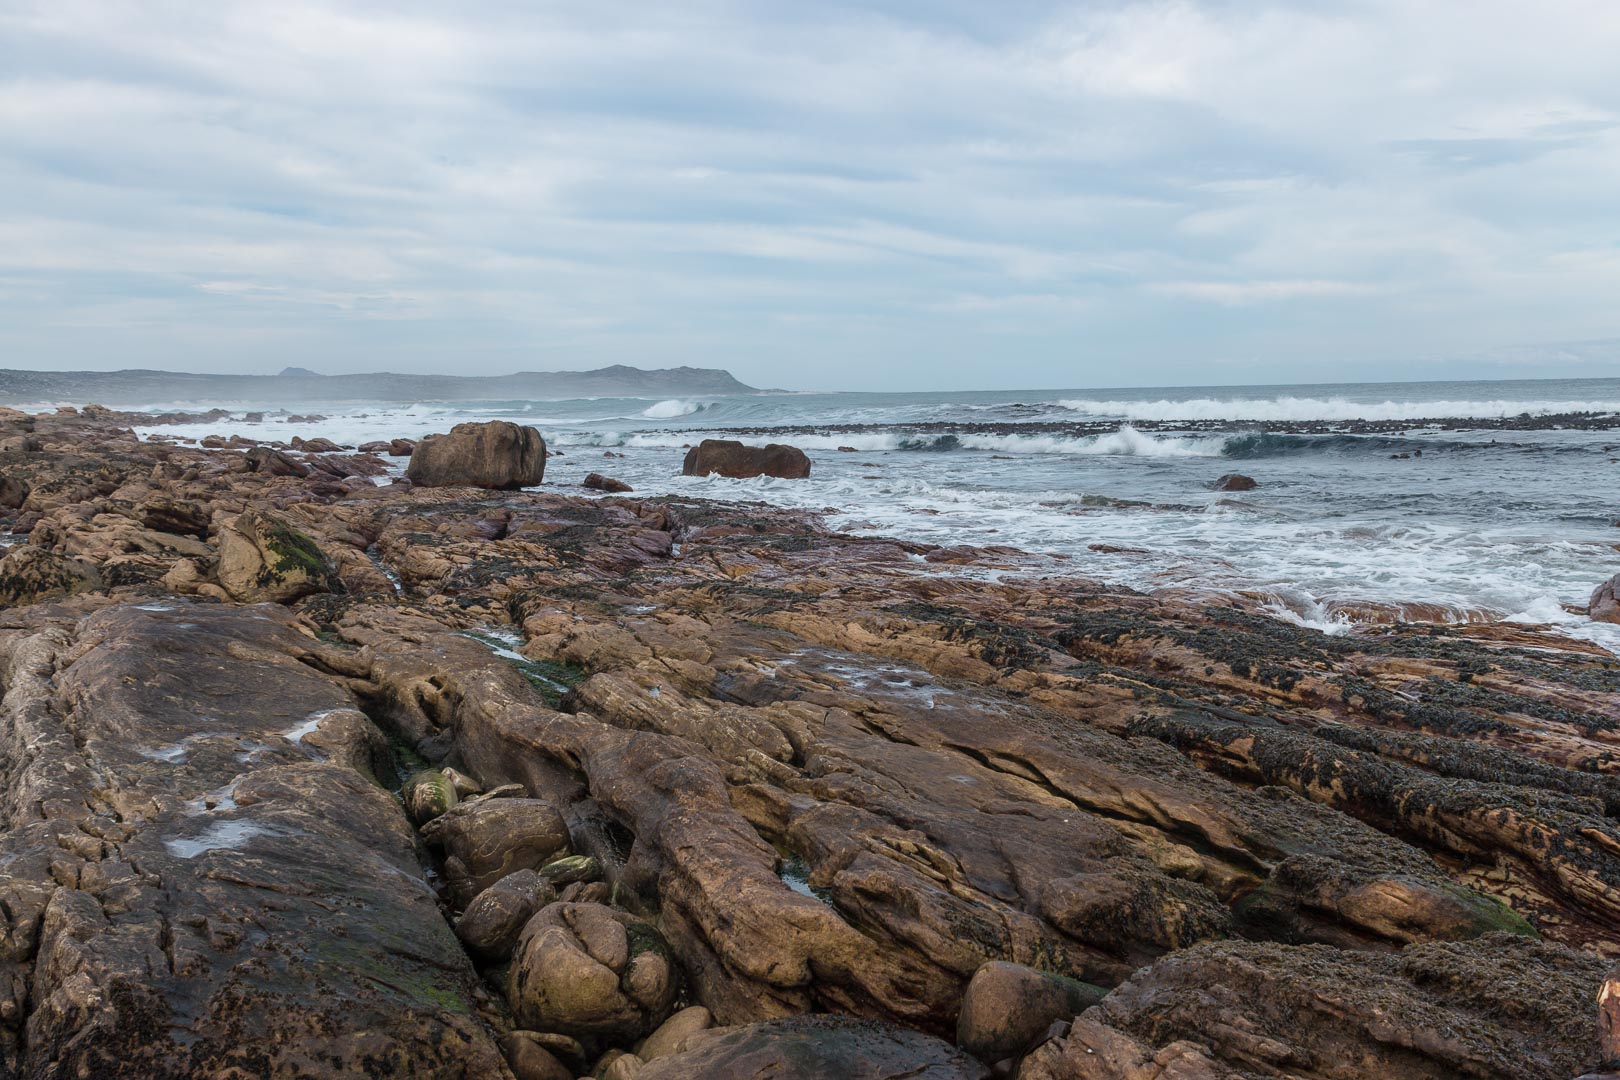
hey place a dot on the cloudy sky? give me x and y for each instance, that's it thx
(858, 195)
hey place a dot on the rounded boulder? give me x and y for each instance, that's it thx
(497, 455)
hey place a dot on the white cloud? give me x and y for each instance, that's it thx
(834, 193)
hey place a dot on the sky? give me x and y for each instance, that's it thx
(833, 195)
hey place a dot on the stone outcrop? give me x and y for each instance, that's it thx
(1605, 605)
(728, 457)
(496, 455)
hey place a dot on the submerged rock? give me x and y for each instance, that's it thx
(1235, 482)
(496, 454)
(728, 457)
(598, 482)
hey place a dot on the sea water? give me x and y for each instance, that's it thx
(1486, 522)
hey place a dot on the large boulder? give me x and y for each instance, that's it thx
(728, 457)
(1605, 606)
(814, 1046)
(263, 558)
(496, 455)
(590, 971)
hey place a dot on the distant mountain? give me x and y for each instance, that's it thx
(298, 371)
(297, 386)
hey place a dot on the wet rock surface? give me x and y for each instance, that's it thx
(728, 457)
(547, 786)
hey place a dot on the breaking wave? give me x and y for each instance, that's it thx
(1331, 408)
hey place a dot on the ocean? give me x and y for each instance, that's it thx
(1454, 500)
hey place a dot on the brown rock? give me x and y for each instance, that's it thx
(492, 455)
(272, 462)
(598, 482)
(486, 840)
(587, 970)
(401, 447)
(263, 558)
(815, 1047)
(1605, 604)
(1008, 1007)
(1235, 482)
(1506, 1005)
(30, 574)
(727, 457)
(675, 1031)
(492, 922)
(531, 1061)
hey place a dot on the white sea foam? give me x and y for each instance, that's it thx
(1333, 408)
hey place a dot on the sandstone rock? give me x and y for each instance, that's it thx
(1506, 1005)
(1235, 482)
(815, 1047)
(272, 462)
(1008, 1007)
(183, 517)
(376, 446)
(220, 913)
(427, 794)
(728, 457)
(618, 1065)
(30, 574)
(587, 970)
(1605, 605)
(674, 1031)
(263, 558)
(531, 1061)
(496, 454)
(1097, 1052)
(13, 492)
(401, 447)
(484, 841)
(598, 482)
(492, 922)
(570, 869)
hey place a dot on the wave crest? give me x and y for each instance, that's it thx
(671, 408)
(1328, 408)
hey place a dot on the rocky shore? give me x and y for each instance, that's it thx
(307, 775)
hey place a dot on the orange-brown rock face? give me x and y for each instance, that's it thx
(714, 755)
